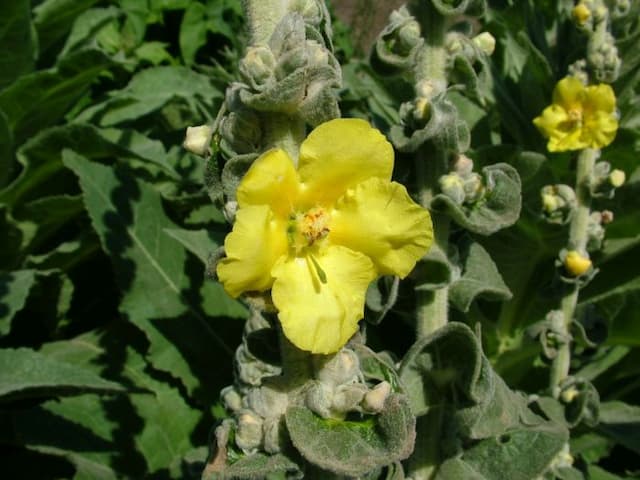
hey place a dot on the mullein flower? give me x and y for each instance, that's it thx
(579, 117)
(319, 234)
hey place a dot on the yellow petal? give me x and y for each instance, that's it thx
(257, 241)
(569, 92)
(600, 130)
(340, 154)
(561, 141)
(272, 180)
(321, 314)
(600, 98)
(551, 118)
(379, 219)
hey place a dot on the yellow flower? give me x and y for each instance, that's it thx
(317, 236)
(579, 117)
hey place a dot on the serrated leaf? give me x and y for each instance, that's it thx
(40, 156)
(53, 19)
(152, 271)
(25, 373)
(479, 278)
(14, 290)
(86, 25)
(350, 447)
(193, 32)
(201, 243)
(42, 98)
(160, 425)
(18, 56)
(152, 89)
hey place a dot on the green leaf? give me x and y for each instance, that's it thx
(85, 27)
(257, 466)
(176, 311)
(621, 422)
(6, 150)
(508, 456)
(53, 19)
(480, 278)
(14, 290)
(26, 373)
(18, 56)
(152, 89)
(117, 437)
(499, 209)
(193, 32)
(354, 448)
(40, 156)
(201, 243)
(42, 98)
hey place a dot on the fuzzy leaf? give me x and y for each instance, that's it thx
(500, 208)
(480, 278)
(350, 447)
(14, 290)
(26, 373)
(621, 422)
(151, 271)
(202, 243)
(257, 466)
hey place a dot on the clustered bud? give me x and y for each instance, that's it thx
(558, 203)
(463, 185)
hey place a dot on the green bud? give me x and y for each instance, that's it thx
(258, 65)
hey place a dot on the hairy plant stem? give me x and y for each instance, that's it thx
(431, 163)
(286, 132)
(577, 241)
(283, 131)
(262, 17)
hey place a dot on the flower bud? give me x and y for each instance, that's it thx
(343, 367)
(485, 42)
(231, 399)
(558, 203)
(268, 402)
(198, 140)
(606, 216)
(422, 108)
(581, 13)
(617, 178)
(452, 186)
(576, 264)
(375, 398)
(462, 165)
(473, 188)
(258, 65)
(249, 431)
(569, 394)
(347, 398)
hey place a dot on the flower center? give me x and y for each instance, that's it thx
(575, 115)
(307, 228)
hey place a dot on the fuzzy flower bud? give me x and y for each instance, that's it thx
(198, 140)
(452, 186)
(258, 64)
(343, 367)
(375, 398)
(576, 264)
(485, 42)
(249, 432)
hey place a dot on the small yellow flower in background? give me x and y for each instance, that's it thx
(576, 264)
(579, 116)
(317, 236)
(581, 13)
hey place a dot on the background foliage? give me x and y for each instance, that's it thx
(114, 346)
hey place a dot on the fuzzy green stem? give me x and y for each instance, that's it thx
(283, 131)
(577, 241)
(262, 17)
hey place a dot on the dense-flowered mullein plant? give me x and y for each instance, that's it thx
(319, 235)
(317, 220)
